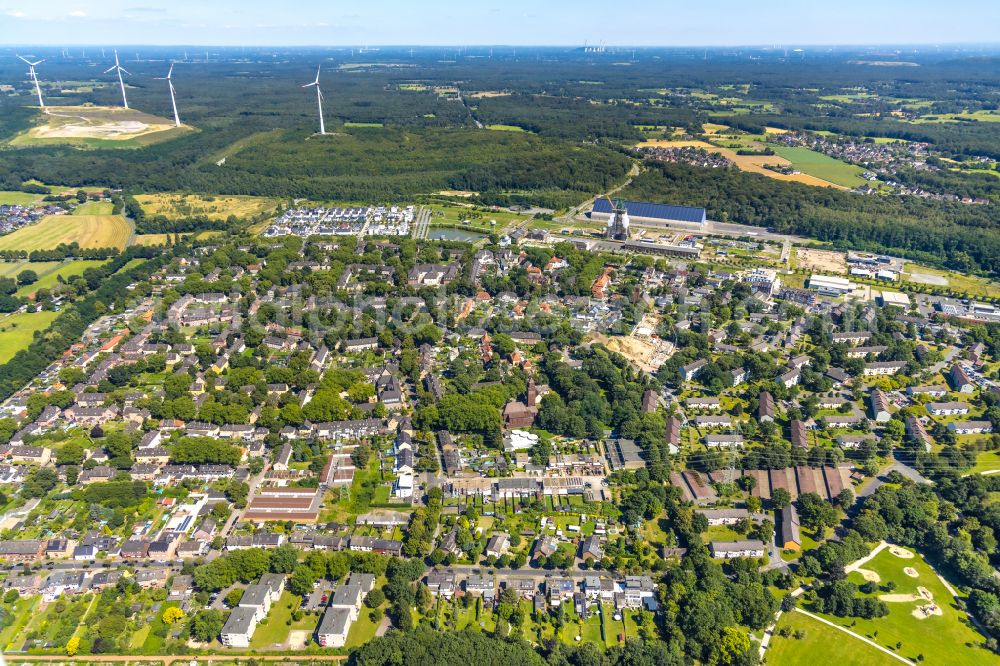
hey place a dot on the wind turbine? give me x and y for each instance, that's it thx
(34, 78)
(173, 100)
(319, 100)
(119, 69)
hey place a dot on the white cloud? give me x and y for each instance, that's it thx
(15, 13)
(78, 13)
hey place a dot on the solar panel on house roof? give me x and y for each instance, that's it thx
(654, 211)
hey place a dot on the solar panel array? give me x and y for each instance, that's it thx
(654, 211)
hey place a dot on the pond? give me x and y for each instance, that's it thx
(461, 235)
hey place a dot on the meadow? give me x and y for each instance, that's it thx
(18, 330)
(90, 231)
(175, 205)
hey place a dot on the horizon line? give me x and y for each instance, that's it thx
(767, 46)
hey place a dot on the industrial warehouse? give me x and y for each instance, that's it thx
(652, 214)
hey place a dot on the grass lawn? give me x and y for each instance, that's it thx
(24, 611)
(363, 630)
(18, 330)
(820, 644)
(987, 461)
(721, 533)
(942, 639)
(275, 632)
(153, 644)
(139, 637)
(94, 208)
(18, 198)
(88, 230)
(822, 166)
(354, 124)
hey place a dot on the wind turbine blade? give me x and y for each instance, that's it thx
(310, 85)
(125, 70)
(169, 73)
(109, 69)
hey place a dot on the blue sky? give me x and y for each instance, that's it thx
(518, 22)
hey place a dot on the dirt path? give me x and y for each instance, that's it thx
(858, 636)
(882, 545)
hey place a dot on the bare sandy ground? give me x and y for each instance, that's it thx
(924, 278)
(821, 260)
(110, 124)
(869, 575)
(901, 552)
(911, 572)
(924, 612)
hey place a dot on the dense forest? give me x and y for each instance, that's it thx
(408, 124)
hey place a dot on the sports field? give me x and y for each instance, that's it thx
(819, 644)
(87, 230)
(822, 166)
(923, 614)
(98, 127)
(214, 207)
(18, 330)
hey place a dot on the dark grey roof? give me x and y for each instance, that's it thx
(654, 210)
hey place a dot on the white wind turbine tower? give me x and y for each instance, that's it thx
(319, 100)
(34, 78)
(173, 100)
(119, 69)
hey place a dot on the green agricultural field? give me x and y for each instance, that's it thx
(11, 269)
(965, 116)
(18, 330)
(18, 198)
(353, 124)
(506, 128)
(94, 208)
(819, 644)
(822, 166)
(947, 638)
(49, 273)
(89, 231)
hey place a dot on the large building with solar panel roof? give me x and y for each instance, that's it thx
(642, 212)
